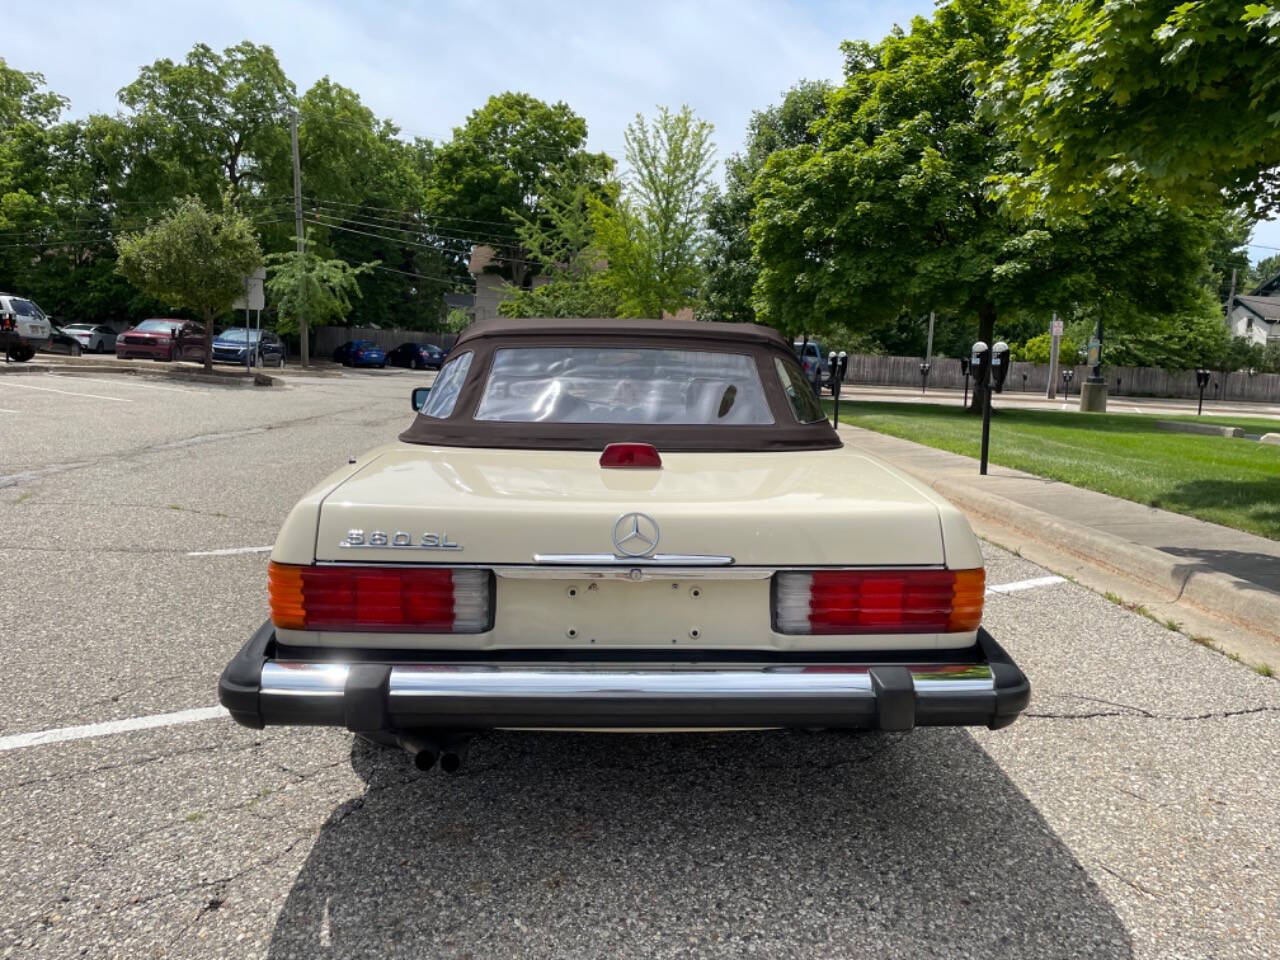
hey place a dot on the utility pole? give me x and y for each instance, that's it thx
(1055, 332)
(297, 229)
(1231, 297)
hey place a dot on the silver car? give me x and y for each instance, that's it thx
(93, 337)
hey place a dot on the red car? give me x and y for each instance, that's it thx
(162, 340)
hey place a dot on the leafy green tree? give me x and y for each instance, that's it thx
(889, 209)
(192, 258)
(309, 288)
(1183, 98)
(208, 124)
(592, 296)
(1266, 269)
(499, 169)
(652, 237)
(731, 268)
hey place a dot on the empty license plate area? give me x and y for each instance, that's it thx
(619, 612)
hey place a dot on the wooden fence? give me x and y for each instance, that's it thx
(1034, 378)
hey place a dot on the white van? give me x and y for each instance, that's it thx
(29, 329)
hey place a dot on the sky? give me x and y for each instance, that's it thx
(426, 65)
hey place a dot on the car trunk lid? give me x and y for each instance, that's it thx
(411, 503)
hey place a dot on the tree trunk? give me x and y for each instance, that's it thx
(986, 333)
(209, 316)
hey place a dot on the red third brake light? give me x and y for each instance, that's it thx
(631, 455)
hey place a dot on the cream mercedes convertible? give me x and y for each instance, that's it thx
(620, 525)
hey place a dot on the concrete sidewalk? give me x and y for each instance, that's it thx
(1215, 581)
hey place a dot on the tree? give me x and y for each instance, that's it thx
(192, 258)
(307, 285)
(1100, 95)
(888, 210)
(499, 168)
(731, 268)
(652, 236)
(210, 124)
(592, 296)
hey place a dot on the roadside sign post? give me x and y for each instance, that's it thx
(255, 298)
(928, 356)
(1055, 335)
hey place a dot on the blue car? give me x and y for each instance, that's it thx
(360, 353)
(265, 349)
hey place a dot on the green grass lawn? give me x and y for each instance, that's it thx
(1228, 481)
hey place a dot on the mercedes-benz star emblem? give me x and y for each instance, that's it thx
(635, 535)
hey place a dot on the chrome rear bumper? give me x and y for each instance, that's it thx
(981, 686)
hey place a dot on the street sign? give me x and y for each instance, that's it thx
(1055, 328)
(254, 298)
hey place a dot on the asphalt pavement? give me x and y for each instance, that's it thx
(1133, 812)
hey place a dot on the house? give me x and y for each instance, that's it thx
(1256, 315)
(494, 280)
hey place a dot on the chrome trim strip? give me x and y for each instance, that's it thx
(632, 572)
(657, 560)
(287, 679)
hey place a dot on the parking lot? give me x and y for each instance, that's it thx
(1134, 811)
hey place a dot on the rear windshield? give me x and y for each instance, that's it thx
(631, 385)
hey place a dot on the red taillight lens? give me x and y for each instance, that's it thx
(380, 599)
(879, 601)
(631, 455)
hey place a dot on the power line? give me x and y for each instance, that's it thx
(421, 276)
(469, 239)
(417, 212)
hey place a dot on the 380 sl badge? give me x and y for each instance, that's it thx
(399, 540)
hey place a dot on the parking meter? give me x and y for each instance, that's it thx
(980, 363)
(1202, 381)
(924, 375)
(999, 365)
(839, 365)
(964, 368)
(1067, 377)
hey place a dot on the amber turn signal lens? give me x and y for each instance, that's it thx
(966, 604)
(284, 591)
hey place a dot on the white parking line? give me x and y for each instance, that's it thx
(19, 740)
(125, 382)
(3, 410)
(69, 393)
(1025, 584)
(62, 734)
(228, 551)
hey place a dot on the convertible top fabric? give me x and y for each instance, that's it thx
(763, 344)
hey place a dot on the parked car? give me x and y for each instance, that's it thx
(94, 338)
(815, 362)
(360, 353)
(163, 340)
(61, 342)
(417, 356)
(620, 525)
(263, 346)
(24, 327)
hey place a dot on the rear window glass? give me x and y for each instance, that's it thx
(444, 392)
(623, 385)
(799, 393)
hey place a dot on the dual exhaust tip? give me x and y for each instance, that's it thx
(425, 752)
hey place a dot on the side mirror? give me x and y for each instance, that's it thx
(418, 399)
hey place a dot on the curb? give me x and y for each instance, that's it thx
(1237, 601)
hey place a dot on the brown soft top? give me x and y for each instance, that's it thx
(483, 339)
(627, 327)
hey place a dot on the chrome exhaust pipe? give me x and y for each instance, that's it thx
(454, 753)
(423, 752)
